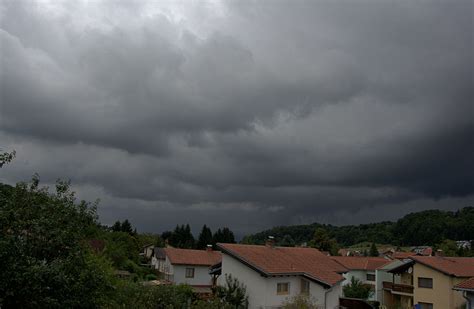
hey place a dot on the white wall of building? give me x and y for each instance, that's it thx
(177, 274)
(262, 291)
(201, 275)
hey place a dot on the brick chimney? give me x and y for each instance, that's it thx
(439, 252)
(209, 248)
(270, 242)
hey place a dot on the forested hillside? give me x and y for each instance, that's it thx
(428, 227)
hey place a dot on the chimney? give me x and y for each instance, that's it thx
(209, 248)
(439, 252)
(270, 242)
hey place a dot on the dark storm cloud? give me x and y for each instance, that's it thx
(232, 110)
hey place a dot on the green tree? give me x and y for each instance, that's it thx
(356, 289)
(45, 261)
(287, 241)
(127, 227)
(182, 237)
(6, 157)
(205, 238)
(323, 242)
(117, 227)
(224, 235)
(449, 247)
(233, 293)
(373, 250)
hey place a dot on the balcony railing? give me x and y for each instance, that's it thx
(400, 288)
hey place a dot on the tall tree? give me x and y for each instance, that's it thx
(323, 242)
(45, 261)
(205, 238)
(373, 250)
(127, 227)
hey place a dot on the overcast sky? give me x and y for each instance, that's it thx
(245, 114)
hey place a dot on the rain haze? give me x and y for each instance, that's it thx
(246, 114)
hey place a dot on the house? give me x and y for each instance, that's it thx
(382, 275)
(467, 289)
(435, 277)
(464, 244)
(190, 267)
(361, 268)
(147, 251)
(158, 259)
(273, 275)
(428, 282)
(423, 250)
(399, 255)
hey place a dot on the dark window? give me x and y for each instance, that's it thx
(189, 272)
(370, 277)
(425, 305)
(425, 283)
(283, 288)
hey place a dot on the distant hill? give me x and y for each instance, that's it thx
(420, 228)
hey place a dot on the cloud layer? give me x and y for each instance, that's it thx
(245, 114)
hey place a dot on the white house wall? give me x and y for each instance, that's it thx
(255, 284)
(262, 291)
(201, 275)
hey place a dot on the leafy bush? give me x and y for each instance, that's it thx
(356, 289)
(301, 302)
(233, 293)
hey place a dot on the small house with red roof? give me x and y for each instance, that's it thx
(362, 269)
(190, 267)
(273, 275)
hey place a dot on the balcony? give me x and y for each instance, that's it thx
(398, 288)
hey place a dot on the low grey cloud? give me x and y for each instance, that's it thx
(246, 114)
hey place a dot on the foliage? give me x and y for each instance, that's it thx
(287, 241)
(205, 238)
(148, 238)
(6, 157)
(422, 228)
(356, 289)
(224, 235)
(120, 248)
(182, 237)
(134, 295)
(322, 242)
(450, 248)
(301, 302)
(44, 257)
(124, 226)
(233, 293)
(373, 250)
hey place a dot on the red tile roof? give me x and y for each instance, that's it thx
(192, 257)
(465, 285)
(271, 261)
(453, 266)
(360, 262)
(401, 255)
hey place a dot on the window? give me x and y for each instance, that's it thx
(189, 272)
(370, 277)
(283, 288)
(425, 283)
(425, 305)
(304, 287)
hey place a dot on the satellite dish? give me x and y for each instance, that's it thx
(410, 270)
